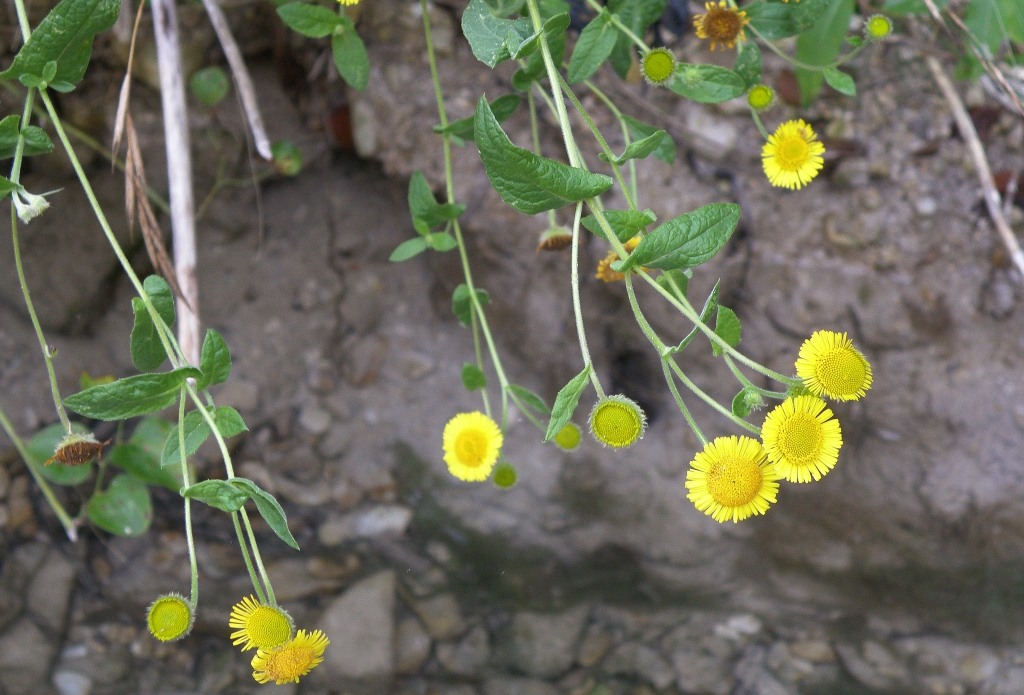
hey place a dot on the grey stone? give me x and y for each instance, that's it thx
(518, 686)
(699, 672)
(862, 670)
(25, 655)
(754, 678)
(314, 419)
(543, 644)
(360, 624)
(49, 592)
(412, 646)
(641, 661)
(72, 683)
(467, 656)
(382, 520)
(440, 615)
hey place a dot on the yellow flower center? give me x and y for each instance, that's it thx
(617, 424)
(289, 663)
(792, 153)
(879, 27)
(841, 371)
(734, 481)
(723, 24)
(800, 438)
(760, 97)
(268, 627)
(658, 66)
(471, 447)
(169, 618)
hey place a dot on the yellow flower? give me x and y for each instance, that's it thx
(471, 444)
(170, 617)
(259, 625)
(604, 269)
(792, 155)
(295, 659)
(348, 2)
(658, 65)
(721, 24)
(802, 438)
(618, 422)
(732, 479)
(830, 366)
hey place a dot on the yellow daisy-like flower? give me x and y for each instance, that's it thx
(792, 155)
(618, 422)
(259, 625)
(604, 269)
(802, 438)
(830, 366)
(658, 65)
(170, 617)
(471, 444)
(721, 24)
(292, 661)
(732, 479)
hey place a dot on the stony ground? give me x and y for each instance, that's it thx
(899, 573)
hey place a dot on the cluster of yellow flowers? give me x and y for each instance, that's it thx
(733, 478)
(282, 655)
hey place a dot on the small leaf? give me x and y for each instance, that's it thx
(502, 107)
(426, 212)
(486, 32)
(675, 282)
(144, 466)
(819, 45)
(527, 182)
(219, 494)
(131, 396)
(840, 81)
(593, 47)
(214, 360)
(6, 186)
(707, 84)
(350, 55)
(441, 241)
(744, 402)
(146, 349)
(710, 304)
(748, 64)
(529, 398)
(123, 509)
(197, 430)
(666, 151)
(462, 306)
(473, 377)
(36, 140)
(625, 223)
(727, 327)
(268, 508)
(150, 434)
(408, 249)
(640, 148)
(313, 21)
(686, 241)
(776, 20)
(565, 403)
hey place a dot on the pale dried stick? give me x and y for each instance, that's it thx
(977, 152)
(242, 80)
(179, 174)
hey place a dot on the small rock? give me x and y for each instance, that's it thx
(71, 683)
(441, 616)
(518, 686)
(594, 646)
(25, 655)
(243, 396)
(412, 646)
(699, 672)
(814, 651)
(467, 656)
(978, 666)
(389, 520)
(293, 580)
(754, 678)
(415, 365)
(360, 624)
(716, 135)
(335, 442)
(49, 592)
(926, 206)
(541, 644)
(860, 668)
(314, 419)
(639, 660)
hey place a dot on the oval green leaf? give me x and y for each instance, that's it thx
(686, 241)
(123, 509)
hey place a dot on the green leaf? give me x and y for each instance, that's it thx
(727, 327)
(637, 15)
(565, 403)
(593, 47)
(777, 20)
(486, 32)
(219, 494)
(144, 466)
(710, 304)
(502, 107)
(313, 21)
(36, 139)
(625, 223)
(666, 151)
(41, 447)
(350, 55)
(745, 401)
(675, 282)
(209, 85)
(1012, 13)
(707, 84)
(65, 37)
(462, 307)
(145, 346)
(473, 377)
(131, 396)
(196, 430)
(214, 360)
(527, 182)
(441, 241)
(639, 149)
(910, 6)
(686, 241)
(408, 249)
(150, 434)
(123, 509)
(840, 81)
(426, 212)
(6, 186)
(268, 508)
(748, 64)
(819, 45)
(529, 398)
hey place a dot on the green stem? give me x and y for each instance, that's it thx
(33, 468)
(261, 595)
(619, 25)
(627, 139)
(186, 481)
(687, 415)
(577, 306)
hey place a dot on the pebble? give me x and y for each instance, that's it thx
(243, 396)
(25, 656)
(467, 656)
(314, 419)
(412, 646)
(925, 205)
(641, 661)
(71, 683)
(543, 644)
(386, 520)
(518, 686)
(360, 624)
(49, 593)
(441, 616)
(593, 648)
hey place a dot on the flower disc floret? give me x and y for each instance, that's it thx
(802, 438)
(292, 661)
(793, 155)
(732, 479)
(259, 625)
(831, 366)
(658, 65)
(877, 27)
(761, 97)
(618, 422)
(170, 617)
(720, 24)
(471, 442)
